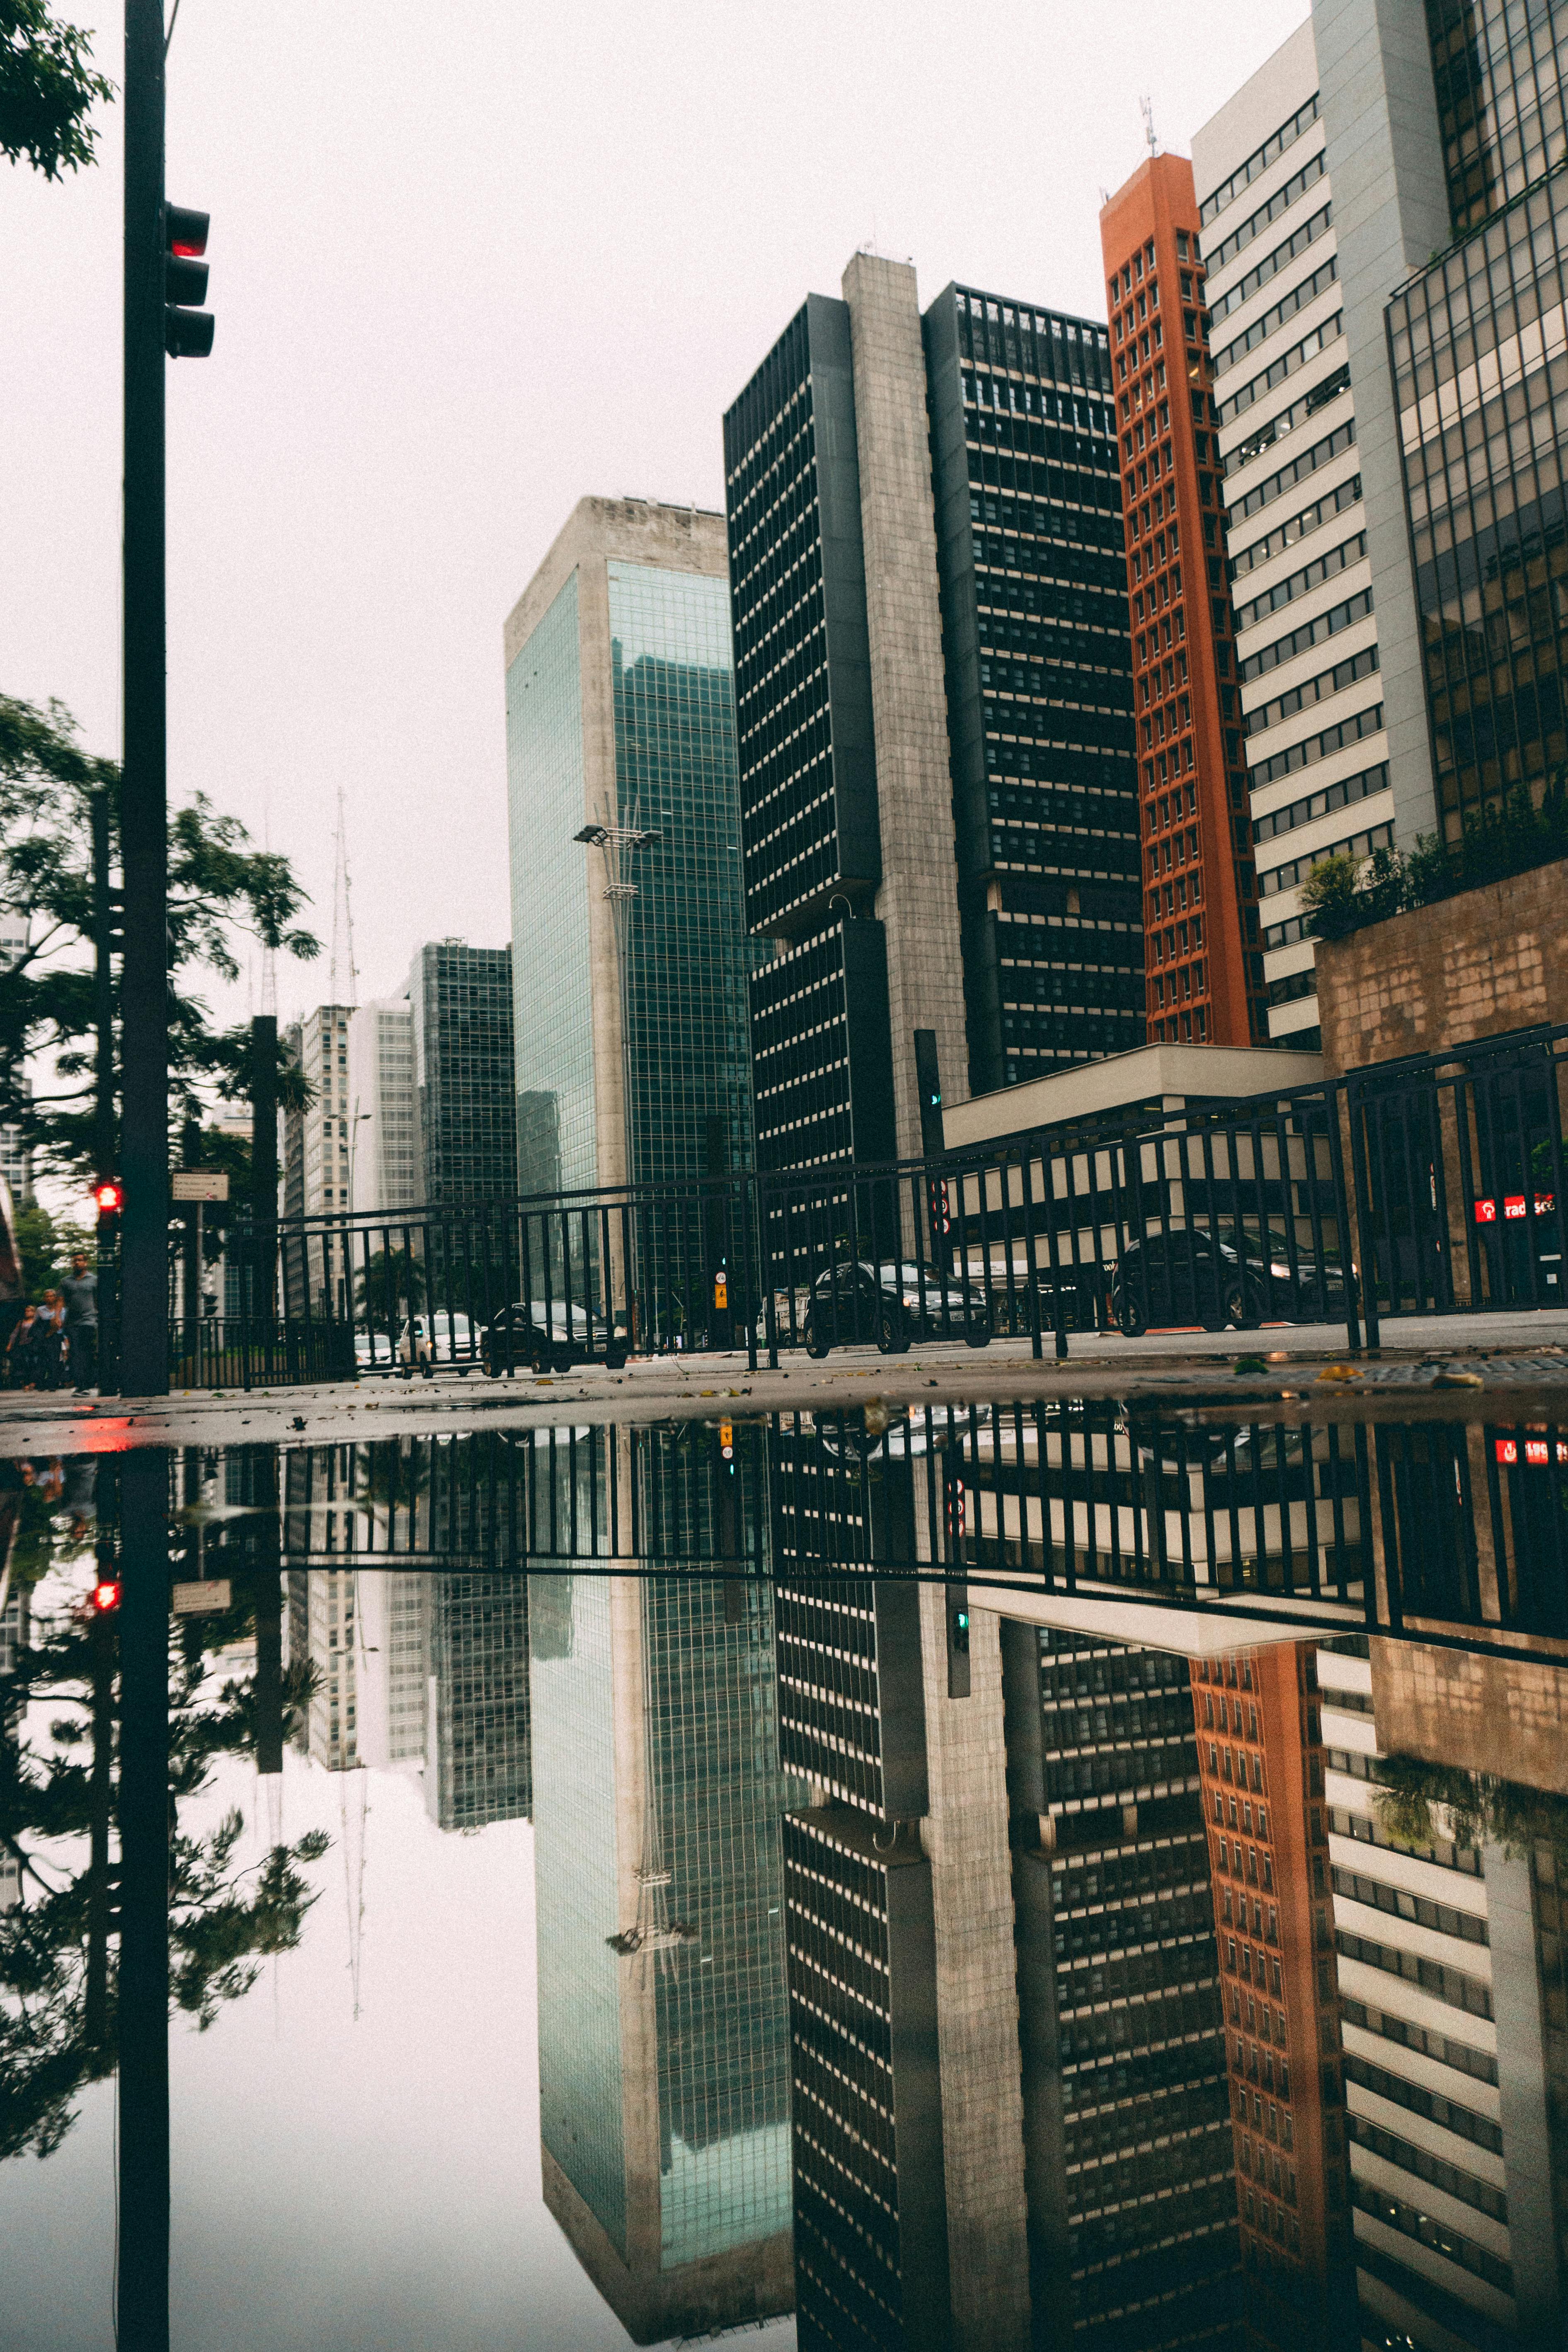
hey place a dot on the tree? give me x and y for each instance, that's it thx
(47, 1245)
(47, 89)
(389, 1286)
(220, 890)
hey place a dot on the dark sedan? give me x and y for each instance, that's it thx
(893, 1303)
(550, 1338)
(1188, 1275)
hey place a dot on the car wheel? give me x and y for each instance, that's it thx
(980, 1339)
(616, 1360)
(891, 1341)
(815, 1345)
(562, 1359)
(1131, 1319)
(1241, 1308)
(538, 1357)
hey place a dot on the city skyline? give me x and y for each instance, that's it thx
(406, 713)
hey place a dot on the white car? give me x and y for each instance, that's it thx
(426, 1341)
(372, 1348)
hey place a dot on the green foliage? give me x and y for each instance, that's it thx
(1481, 1809)
(220, 889)
(47, 1245)
(47, 89)
(1342, 895)
(389, 1287)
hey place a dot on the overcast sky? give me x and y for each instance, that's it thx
(471, 264)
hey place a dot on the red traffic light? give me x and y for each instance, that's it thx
(186, 232)
(108, 1196)
(187, 329)
(106, 1595)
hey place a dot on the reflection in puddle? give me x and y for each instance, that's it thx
(1018, 1875)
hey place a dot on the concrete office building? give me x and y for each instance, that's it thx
(384, 1158)
(1204, 968)
(1445, 2012)
(937, 786)
(317, 1142)
(629, 960)
(460, 1005)
(663, 2031)
(1301, 546)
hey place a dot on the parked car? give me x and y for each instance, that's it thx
(893, 1303)
(1187, 1275)
(373, 1348)
(426, 1341)
(550, 1338)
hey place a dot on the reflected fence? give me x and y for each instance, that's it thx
(1429, 1186)
(1449, 1531)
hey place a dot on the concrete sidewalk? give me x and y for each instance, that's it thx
(1520, 1361)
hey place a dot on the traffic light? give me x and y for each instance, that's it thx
(721, 1291)
(727, 1445)
(105, 1596)
(108, 1196)
(187, 328)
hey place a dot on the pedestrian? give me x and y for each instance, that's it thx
(49, 1341)
(80, 1293)
(19, 1350)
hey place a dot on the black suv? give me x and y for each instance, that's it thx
(1188, 1275)
(855, 1303)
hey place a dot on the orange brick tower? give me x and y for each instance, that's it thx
(1202, 957)
(1260, 1760)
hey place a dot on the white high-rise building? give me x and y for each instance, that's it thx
(384, 1117)
(316, 1143)
(1440, 2010)
(1301, 580)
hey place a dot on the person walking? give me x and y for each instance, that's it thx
(49, 1341)
(19, 1349)
(79, 1294)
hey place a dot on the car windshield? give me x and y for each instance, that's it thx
(910, 1275)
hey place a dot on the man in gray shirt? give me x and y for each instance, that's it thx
(80, 1291)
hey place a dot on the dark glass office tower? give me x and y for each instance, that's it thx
(934, 707)
(812, 850)
(1128, 2155)
(1040, 684)
(461, 998)
(478, 1763)
(1480, 354)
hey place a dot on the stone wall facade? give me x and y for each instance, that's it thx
(1492, 960)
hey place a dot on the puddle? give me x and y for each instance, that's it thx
(1008, 1874)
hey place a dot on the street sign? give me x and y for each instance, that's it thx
(208, 1597)
(198, 1185)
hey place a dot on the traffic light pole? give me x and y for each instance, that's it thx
(103, 1094)
(143, 805)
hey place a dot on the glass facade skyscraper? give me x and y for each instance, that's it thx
(1454, 147)
(461, 1001)
(620, 712)
(663, 2031)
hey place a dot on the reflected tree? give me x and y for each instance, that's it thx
(58, 1736)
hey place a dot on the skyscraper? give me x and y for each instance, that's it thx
(461, 1008)
(663, 2033)
(1446, 142)
(384, 1158)
(629, 956)
(937, 782)
(478, 1763)
(1307, 640)
(316, 1141)
(1204, 967)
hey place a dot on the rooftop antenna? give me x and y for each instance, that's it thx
(343, 913)
(1147, 106)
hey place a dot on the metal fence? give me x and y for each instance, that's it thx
(1447, 1530)
(1430, 1186)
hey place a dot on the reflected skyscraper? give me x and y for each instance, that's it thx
(663, 2040)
